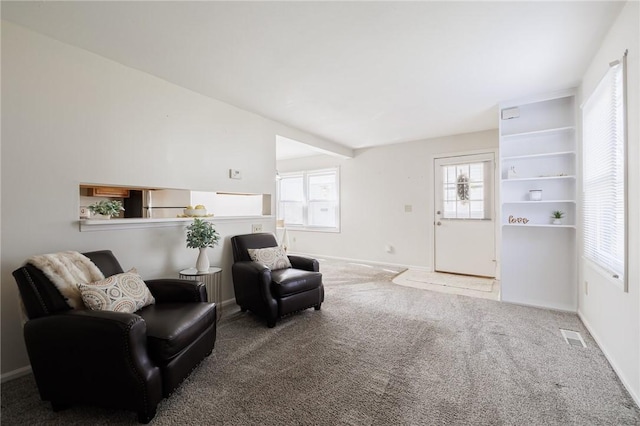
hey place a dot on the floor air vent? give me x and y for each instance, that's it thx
(573, 338)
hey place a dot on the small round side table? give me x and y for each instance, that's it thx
(212, 280)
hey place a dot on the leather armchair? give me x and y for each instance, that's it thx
(273, 294)
(114, 359)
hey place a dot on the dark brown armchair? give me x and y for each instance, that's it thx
(273, 294)
(114, 359)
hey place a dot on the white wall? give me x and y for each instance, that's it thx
(612, 316)
(69, 116)
(375, 187)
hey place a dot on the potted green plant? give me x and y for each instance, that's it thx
(105, 209)
(557, 216)
(201, 235)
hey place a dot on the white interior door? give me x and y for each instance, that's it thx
(464, 226)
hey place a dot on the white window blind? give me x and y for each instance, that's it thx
(604, 200)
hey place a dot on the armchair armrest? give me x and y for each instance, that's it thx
(100, 352)
(252, 286)
(176, 290)
(304, 263)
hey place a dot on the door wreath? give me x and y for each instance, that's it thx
(463, 187)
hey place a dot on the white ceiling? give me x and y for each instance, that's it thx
(356, 73)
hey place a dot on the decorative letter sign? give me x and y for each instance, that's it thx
(522, 220)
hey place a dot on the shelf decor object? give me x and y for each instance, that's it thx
(535, 194)
(557, 216)
(201, 235)
(105, 209)
(538, 260)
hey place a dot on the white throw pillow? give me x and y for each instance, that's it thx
(272, 257)
(124, 292)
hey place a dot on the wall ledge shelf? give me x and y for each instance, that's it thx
(137, 223)
(538, 178)
(537, 225)
(544, 155)
(540, 202)
(542, 132)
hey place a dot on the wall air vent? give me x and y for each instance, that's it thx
(509, 113)
(573, 338)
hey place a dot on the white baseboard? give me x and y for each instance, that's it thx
(365, 261)
(617, 370)
(23, 371)
(530, 305)
(226, 303)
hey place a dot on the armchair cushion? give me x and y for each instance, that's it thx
(273, 258)
(124, 292)
(171, 327)
(285, 282)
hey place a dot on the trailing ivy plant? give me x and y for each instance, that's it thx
(201, 234)
(107, 207)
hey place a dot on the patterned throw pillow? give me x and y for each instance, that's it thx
(124, 292)
(272, 257)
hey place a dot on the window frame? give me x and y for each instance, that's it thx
(614, 267)
(306, 202)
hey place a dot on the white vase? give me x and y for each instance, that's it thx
(202, 264)
(557, 221)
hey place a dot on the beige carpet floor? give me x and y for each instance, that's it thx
(380, 354)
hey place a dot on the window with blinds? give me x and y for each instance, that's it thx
(604, 174)
(310, 200)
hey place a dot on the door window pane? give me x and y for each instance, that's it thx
(464, 193)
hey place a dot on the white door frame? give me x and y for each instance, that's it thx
(496, 202)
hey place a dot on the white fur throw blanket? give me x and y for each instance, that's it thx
(66, 269)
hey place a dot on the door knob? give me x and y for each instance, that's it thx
(438, 223)
(438, 212)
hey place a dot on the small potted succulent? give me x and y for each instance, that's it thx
(557, 216)
(105, 209)
(201, 235)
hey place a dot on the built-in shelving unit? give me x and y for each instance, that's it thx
(538, 153)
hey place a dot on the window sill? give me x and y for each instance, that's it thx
(606, 275)
(137, 223)
(306, 229)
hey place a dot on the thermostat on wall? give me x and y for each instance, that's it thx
(235, 174)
